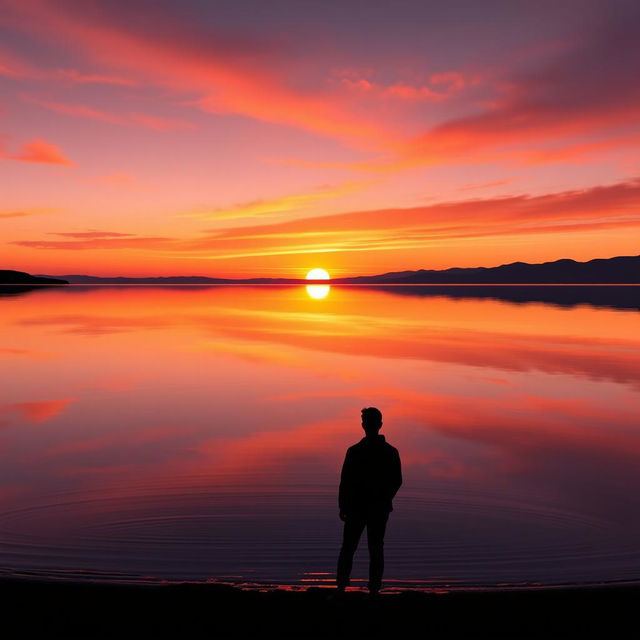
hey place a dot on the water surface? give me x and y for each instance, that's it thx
(198, 433)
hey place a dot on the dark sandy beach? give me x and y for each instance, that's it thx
(93, 610)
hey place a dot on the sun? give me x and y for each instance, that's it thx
(318, 274)
(318, 291)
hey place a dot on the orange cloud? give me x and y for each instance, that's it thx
(284, 204)
(603, 207)
(610, 206)
(101, 242)
(440, 86)
(15, 214)
(41, 151)
(581, 152)
(40, 411)
(91, 234)
(119, 179)
(484, 185)
(25, 213)
(28, 353)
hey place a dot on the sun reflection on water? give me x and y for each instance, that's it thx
(318, 291)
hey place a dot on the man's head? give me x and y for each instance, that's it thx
(371, 420)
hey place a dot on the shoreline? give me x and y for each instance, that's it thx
(94, 609)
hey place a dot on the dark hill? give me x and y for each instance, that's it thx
(20, 277)
(83, 279)
(619, 270)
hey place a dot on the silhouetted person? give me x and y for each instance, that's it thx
(371, 476)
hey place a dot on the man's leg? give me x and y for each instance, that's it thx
(376, 527)
(353, 528)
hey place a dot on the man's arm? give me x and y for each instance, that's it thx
(345, 486)
(395, 476)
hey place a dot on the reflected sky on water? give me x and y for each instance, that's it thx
(198, 433)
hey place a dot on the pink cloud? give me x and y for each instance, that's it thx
(120, 180)
(573, 88)
(227, 75)
(39, 411)
(14, 65)
(485, 185)
(78, 111)
(577, 152)
(92, 78)
(41, 151)
(584, 89)
(145, 121)
(157, 123)
(437, 88)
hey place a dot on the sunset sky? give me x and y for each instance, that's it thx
(251, 137)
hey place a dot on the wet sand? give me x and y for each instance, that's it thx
(92, 610)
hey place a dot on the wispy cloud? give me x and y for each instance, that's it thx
(101, 242)
(597, 208)
(438, 87)
(601, 207)
(91, 78)
(41, 151)
(38, 411)
(226, 74)
(15, 214)
(14, 65)
(145, 121)
(485, 185)
(119, 180)
(283, 204)
(91, 234)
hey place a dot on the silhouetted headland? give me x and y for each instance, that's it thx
(13, 283)
(8, 276)
(617, 270)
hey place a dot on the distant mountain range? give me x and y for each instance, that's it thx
(618, 270)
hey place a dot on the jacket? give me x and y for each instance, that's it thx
(371, 476)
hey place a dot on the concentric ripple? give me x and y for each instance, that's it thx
(452, 537)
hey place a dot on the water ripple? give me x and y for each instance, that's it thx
(447, 537)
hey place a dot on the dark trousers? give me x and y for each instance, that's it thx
(376, 524)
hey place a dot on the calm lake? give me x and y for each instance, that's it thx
(196, 433)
